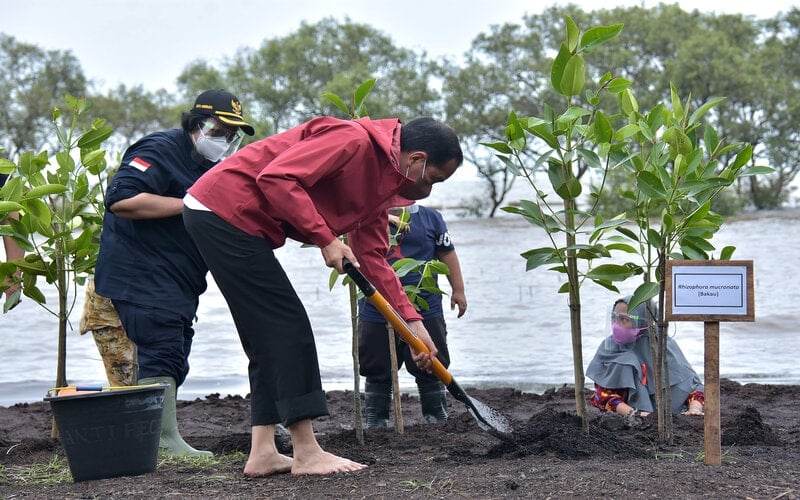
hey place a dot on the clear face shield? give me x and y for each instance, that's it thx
(217, 142)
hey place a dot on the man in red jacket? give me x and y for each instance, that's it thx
(325, 178)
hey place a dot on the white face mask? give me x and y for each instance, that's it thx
(212, 148)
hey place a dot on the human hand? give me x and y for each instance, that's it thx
(634, 419)
(424, 360)
(460, 300)
(401, 225)
(335, 252)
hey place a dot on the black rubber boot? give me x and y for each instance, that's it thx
(433, 399)
(377, 398)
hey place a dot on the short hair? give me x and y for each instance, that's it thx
(433, 137)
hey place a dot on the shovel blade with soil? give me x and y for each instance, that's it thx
(487, 418)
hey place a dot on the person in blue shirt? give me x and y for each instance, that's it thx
(148, 264)
(424, 237)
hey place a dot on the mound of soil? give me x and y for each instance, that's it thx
(549, 453)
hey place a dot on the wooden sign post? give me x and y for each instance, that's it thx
(710, 291)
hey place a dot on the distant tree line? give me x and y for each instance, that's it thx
(754, 63)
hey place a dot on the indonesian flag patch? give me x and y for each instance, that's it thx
(139, 164)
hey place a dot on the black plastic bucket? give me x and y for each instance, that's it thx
(110, 433)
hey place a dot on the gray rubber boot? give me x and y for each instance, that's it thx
(433, 399)
(377, 399)
(171, 441)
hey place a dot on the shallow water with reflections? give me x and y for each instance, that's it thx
(514, 334)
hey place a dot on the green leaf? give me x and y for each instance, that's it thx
(538, 257)
(677, 107)
(627, 131)
(558, 67)
(727, 252)
(702, 110)
(610, 272)
(698, 243)
(691, 253)
(362, 92)
(407, 265)
(617, 85)
(590, 157)
(609, 224)
(654, 238)
(742, 157)
(7, 166)
(628, 233)
(33, 293)
(627, 102)
(710, 138)
(594, 37)
(94, 137)
(603, 131)
(45, 190)
(622, 248)
(337, 101)
(573, 32)
(93, 158)
(645, 129)
(9, 206)
(757, 170)
(643, 293)
(570, 189)
(650, 185)
(500, 147)
(679, 142)
(574, 76)
(333, 278)
(40, 213)
(542, 130)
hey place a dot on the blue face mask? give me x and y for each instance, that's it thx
(623, 335)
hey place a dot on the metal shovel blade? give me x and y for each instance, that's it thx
(487, 418)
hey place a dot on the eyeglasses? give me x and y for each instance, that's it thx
(212, 130)
(424, 166)
(620, 317)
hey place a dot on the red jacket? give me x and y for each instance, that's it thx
(321, 179)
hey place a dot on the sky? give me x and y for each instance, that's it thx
(149, 42)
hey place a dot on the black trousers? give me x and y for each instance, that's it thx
(273, 325)
(163, 339)
(374, 359)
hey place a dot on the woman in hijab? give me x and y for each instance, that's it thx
(622, 366)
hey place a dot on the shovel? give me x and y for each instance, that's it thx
(487, 418)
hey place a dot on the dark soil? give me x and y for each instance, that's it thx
(547, 455)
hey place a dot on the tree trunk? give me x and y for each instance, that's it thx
(61, 364)
(663, 392)
(575, 314)
(351, 288)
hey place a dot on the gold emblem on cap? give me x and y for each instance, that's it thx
(237, 107)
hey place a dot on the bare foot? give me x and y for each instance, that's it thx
(322, 462)
(267, 465)
(695, 408)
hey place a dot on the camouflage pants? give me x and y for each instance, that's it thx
(116, 349)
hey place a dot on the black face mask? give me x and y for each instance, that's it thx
(417, 191)
(420, 189)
